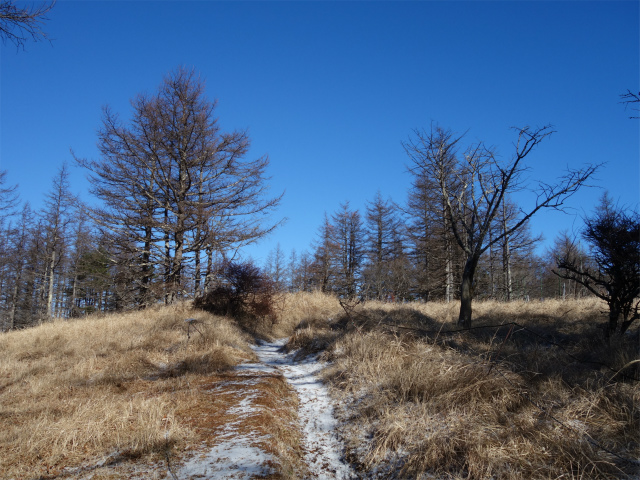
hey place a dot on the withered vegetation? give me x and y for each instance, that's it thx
(129, 394)
(534, 390)
(545, 395)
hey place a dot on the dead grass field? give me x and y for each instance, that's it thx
(547, 398)
(118, 396)
(126, 390)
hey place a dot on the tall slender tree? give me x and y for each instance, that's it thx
(383, 245)
(57, 217)
(348, 237)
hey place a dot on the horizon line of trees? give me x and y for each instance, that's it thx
(178, 200)
(386, 260)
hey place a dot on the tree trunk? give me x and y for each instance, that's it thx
(208, 277)
(52, 265)
(14, 304)
(614, 315)
(196, 288)
(466, 292)
(506, 256)
(176, 276)
(167, 259)
(74, 293)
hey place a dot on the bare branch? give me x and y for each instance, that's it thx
(629, 99)
(18, 25)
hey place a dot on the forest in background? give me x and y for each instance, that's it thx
(175, 199)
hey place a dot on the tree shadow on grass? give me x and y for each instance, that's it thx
(536, 346)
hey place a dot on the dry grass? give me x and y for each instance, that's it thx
(417, 399)
(302, 310)
(72, 393)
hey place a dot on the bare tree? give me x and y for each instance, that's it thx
(8, 197)
(473, 186)
(57, 216)
(322, 269)
(348, 238)
(173, 184)
(19, 24)
(275, 267)
(383, 246)
(434, 250)
(512, 243)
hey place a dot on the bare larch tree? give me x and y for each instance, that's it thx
(173, 184)
(19, 24)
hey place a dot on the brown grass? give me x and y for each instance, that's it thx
(415, 398)
(533, 402)
(72, 393)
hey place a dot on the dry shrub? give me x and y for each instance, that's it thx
(419, 399)
(74, 392)
(245, 294)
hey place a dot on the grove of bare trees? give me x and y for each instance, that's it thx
(174, 196)
(175, 191)
(473, 186)
(175, 199)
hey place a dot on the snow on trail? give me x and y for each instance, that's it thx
(238, 455)
(323, 449)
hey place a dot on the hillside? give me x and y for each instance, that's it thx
(145, 394)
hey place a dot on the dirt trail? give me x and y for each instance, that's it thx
(239, 455)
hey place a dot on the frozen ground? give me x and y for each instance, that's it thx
(238, 456)
(323, 450)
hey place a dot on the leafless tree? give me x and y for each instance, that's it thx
(8, 197)
(275, 268)
(57, 216)
(173, 184)
(348, 238)
(567, 246)
(434, 250)
(383, 248)
(323, 270)
(19, 24)
(473, 186)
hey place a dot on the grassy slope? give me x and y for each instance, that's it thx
(413, 398)
(127, 388)
(417, 400)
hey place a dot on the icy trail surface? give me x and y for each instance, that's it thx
(323, 456)
(238, 455)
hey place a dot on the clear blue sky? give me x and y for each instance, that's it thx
(329, 90)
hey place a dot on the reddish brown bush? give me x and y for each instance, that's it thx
(244, 292)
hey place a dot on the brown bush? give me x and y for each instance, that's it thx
(244, 293)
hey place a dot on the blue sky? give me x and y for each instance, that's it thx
(329, 90)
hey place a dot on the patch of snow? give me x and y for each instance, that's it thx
(324, 451)
(235, 458)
